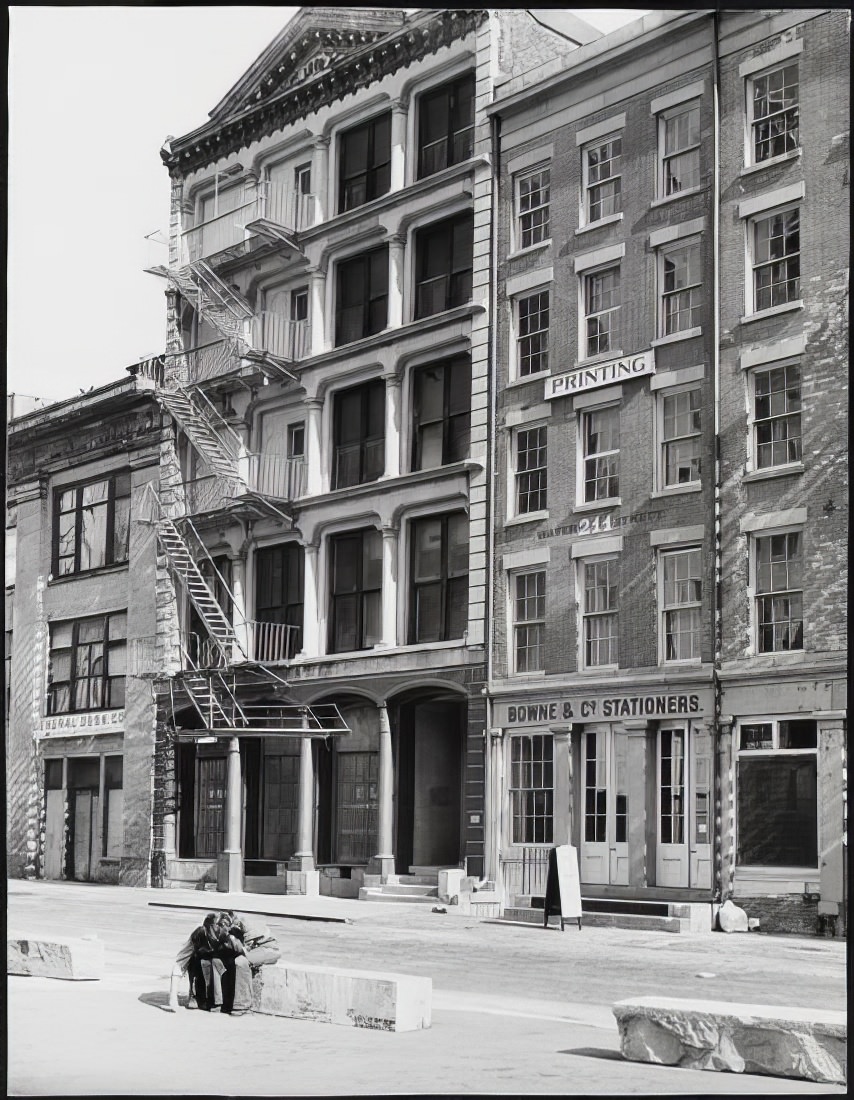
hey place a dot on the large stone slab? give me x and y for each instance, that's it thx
(358, 998)
(738, 1038)
(55, 957)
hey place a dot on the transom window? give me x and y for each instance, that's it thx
(601, 311)
(441, 413)
(602, 183)
(599, 612)
(777, 415)
(680, 149)
(776, 247)
(601, 453)
(681, 437)
(91, 525)
(87, 664)
(779, 592)
(446, 126)
(681, 295)
(681, 604)
(532, 339)
(532, 207)
(773, 101)
(529, 621)
(443, 261)
(364, 162)
(532, 787)
(440, 583)
(531, 469)
(356, 575)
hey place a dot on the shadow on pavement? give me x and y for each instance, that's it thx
(160, 999)
(595, 1052)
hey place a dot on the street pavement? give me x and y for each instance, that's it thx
(516, 1010)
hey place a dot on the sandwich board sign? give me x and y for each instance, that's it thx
(563, 889)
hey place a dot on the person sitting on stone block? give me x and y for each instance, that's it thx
(253, 946)
(196, 959)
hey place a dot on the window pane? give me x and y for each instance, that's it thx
(777, 811)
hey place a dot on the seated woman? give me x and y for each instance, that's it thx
(253, 946)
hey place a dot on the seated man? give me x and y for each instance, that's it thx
(196, 958)
(253, 946)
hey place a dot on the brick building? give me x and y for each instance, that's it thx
(649, 683)
(80, 572)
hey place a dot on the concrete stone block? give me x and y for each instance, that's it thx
(54, 957)
(738, 1038)
(356, 998)
(450, 883)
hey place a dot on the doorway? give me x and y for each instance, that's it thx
(84, 781)
(604, 823)
(683, 778)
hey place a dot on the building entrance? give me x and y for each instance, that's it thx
(604, 821)
(83, 805)
(683, 775)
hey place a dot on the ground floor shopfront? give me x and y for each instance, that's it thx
(309, 812)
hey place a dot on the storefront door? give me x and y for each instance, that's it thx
(683, 774)
(604, 836)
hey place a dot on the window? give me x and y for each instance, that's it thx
(681, 594)
(529, 621)
(361, 300)
(599, 612)
(279, 579)
(601, 312)
(441, 413)
(357, 568)
(679, 144)
(298, 336)
(443, 258)
(112, 830)
(446, 126)
(91, 525)
(364, 162)
(440, 584)
(777, 793)
(532, 333)
(359, 434)
(779, 592)
(681, 438)
(773, 110)
(531, 469)
(296, 440)
(775, 243)
(681, 297)
(532, 787)
(601, 172)
(600, 433)
(87, 664)
(777, 416)
(532, 208)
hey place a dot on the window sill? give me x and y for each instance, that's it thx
(379, 650)
(537, 377)
(760, 315)
(528, 517)
(84, 574)
(774, 471)
(600, 506)
(530, 250)
(785, 656)
(676, 490)
(674, 337)
(691, 662)
(612, 219)
(676, 195)
(749, 169)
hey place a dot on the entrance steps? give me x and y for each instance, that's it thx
(641, 915)
(419, 886)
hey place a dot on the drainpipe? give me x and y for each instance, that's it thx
(716, 517)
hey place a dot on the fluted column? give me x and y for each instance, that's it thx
(230, 862)
(396, 257)
(389, 626)
(317, 310)
(313, 451)
(392, 425)
(320, 179)
(398, 144)
(383, 861)
(310, 625)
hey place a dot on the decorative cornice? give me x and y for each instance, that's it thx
(391, 52)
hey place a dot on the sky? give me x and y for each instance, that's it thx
(93, 93)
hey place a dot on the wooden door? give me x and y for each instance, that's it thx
(672, 817)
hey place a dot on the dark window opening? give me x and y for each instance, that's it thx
(446, 126)
(91, 525)
(441, 413)
(359, 434)
(279, 580)
(364, 163)
(443, 258)
(361, 300)
(356, 585)
(440, 583)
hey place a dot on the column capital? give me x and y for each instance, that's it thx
(320, 271)
(392, 377)
(396, 238)
(400, 104)
(313, 403)
(390, 530)
(322, 141)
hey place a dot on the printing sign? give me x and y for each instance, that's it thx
(600, 374)
(97, 721)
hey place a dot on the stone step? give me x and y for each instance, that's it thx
(410, 889)
(373, 893)
(431, 871)
(638, 922)
(418, 880)
(695, 916)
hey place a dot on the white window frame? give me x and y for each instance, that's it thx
(513, 576)
(679, 245)
(751, 267)
(519, 215)
(548, 738)
(755, 595)
(585, 218)
(661, 441)
(583, 315)
(672, 551)
(517, 337)
(750, 158)
(513, 503)
(753, 422)
(580, 481)
(664, 117)
(582, 564)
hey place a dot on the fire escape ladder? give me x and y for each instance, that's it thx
(212, 298)
(215, 440)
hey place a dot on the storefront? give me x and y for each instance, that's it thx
(626, 776)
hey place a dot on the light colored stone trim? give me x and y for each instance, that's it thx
(600, 129)
(668, 536)
(767, 201)
(677, 377)
(592, 547)
(770, 353)
(789, 517)
(521, 559)
(517, 284)
(599, 256)
(681, 95)
(670, 233)
(770, 58)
